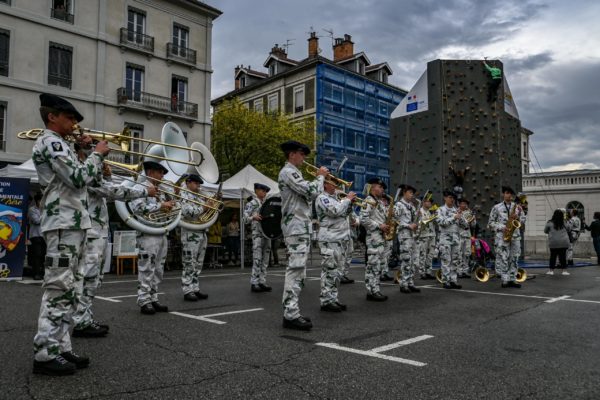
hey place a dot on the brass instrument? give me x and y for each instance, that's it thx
(175, 153)
(334, 180)
(482, 274)
(390, 220)
(359, 201)
(468, 216)
(512, 224)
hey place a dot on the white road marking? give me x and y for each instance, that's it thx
(401, 343)
(557, 299)
(107, 299)
(372, 354)
(583, 301)
(206, 318)
(179, 278)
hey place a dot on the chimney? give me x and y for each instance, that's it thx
(313, 45)
(237, 80)
(278, 51)
(343, 48)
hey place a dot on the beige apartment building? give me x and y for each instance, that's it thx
(135, 63)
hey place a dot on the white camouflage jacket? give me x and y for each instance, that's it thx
(65, 178)
(334, 225)
(446, 220)
(373, 216)
(251, 209)
(426, 231)
(499, 218)
(405, 214)
(189, 210)
(297, 195)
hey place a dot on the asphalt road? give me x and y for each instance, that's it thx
(483, 342)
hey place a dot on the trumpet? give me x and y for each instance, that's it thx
(215, 204)
(334, 180)
(359, 201)
(123, 140)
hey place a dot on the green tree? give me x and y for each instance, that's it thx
(241, 136)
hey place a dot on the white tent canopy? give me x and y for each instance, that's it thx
(25, 170)
(245, 179)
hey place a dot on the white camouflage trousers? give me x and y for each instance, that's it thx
(449, 256)
(406, 257)
(464, 254)
(193, 248)
(63, 279)
(333, 259)
(507, 255)
(261, 252)
(349, 254)
(424, 255)
(376, 250)
(92, 279)
(151, 262)
(298, 247)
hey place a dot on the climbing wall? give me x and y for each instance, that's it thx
(460, 129)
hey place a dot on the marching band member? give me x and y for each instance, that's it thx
(64, 222)
(152, 249)
(193, 243)
(353, 223)
(467, 222)
(406, 216)
(261, 245)
(448, 222)
(388, 246)
(507, 252)
(373, 219)
(333, 236)
(99, 190)
(426, 240)
(575, 224)
(296, 196)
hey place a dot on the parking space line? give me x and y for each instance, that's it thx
(370, 353)
(107, 299)
(179, 278)
(114, 298)
(490, 293)
(381, 349)
(207, 318)
(557, 299)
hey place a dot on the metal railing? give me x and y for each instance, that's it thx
(59, 80)
(137, 40)
(155, 102)
(181, 53)
(63, 15)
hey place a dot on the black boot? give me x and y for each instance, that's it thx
(455, 285)
(265, 288)
(376, 297)
(56, 366)
(514, 284)
(201, 296)
(414, 289)
(147, 309)
(256, 289)
(331, 307)
(405, 290)
(345, 280)
(447, 285)
(299, 324)
(342, 306)
(159, 307)
(190, 297)
(79, 361)
(92, 330)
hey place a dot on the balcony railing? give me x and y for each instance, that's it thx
(153, 102)
(137, 40)
(59, 80)
(63, 15)
(179, 53)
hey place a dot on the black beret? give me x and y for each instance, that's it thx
(405, 187)
(261, 186)
(153, 165)
(59, 104)
(292, 145)
(377, 181)
(508, 189)
(449, 193)
(194, 178)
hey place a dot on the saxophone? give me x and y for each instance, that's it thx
(390, 220)
(512, 224)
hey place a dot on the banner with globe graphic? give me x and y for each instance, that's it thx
(14, 198)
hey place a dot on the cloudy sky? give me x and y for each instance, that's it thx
(550, 50)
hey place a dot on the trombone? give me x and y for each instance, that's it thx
(339, 182)
(216, 205)
(123, 140)
(359, 201)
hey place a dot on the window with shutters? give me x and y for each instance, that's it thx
(4, 51)
(60, 62)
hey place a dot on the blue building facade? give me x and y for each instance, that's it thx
(352, 120)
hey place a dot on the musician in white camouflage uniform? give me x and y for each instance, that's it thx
(373, 218)
(406, 216)
(507, 252)
(97, 242)
(468, 222)
(193, 242)
(448, 220)
(261, 245)
(425, 240)
(297, 196)
(353, 222)
(333, 236)
(152, 248)
(64, 222)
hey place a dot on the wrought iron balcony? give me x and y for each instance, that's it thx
(137, 40)
(154, 103)
(59, 80)
(179, 53)
(62, 14)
